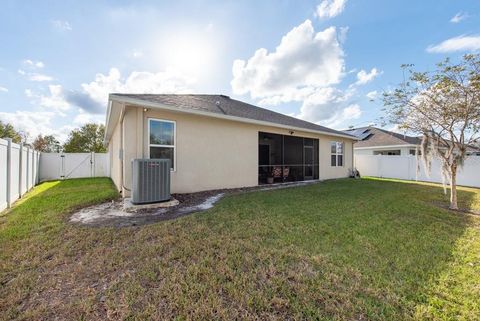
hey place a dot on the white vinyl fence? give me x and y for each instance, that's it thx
(21, 168)
(55, 166)
(405, 167)
(18, 171)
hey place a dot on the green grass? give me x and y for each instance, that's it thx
(343, 250)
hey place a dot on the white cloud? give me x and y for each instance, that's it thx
(329, 106)
(39, 77)
(364, 77)
(83, 118)
(34, 123)
(61, 25)
(33, 64)
(302, 59)
(54, 100)
(372, 95)
(304, 67)
(330, 8)
(288, 96)
(460, 43)
(94, 95)
(342, 34)
(459, 17)
(3, 89)
(341, 119)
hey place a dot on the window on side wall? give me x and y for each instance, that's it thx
(336, 150)
(161, 140)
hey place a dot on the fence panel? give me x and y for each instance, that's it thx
(73, 165)
(102, 165)
(18, 170)
(15, 172)
(78, 165)
(405, 167)
(21, 168)
(50, 167)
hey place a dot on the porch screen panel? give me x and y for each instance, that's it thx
(293, 158)
(282, 158)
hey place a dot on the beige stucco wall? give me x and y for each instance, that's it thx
(213, 153)
(326, 170)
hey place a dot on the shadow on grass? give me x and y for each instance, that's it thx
(468, 197)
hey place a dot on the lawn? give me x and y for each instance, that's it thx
(343, 250)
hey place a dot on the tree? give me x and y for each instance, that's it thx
(46, 144)
(88, 138)
(8, 131)
(443, 106)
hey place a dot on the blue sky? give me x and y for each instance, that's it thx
(316, 60)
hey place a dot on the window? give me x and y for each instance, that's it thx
(415, 152)
(162, 139)
(395, 152)
(336, 149)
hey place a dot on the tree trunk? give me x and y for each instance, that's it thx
(453, 187)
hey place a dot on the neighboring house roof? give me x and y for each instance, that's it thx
(220, 106)
(376, 137)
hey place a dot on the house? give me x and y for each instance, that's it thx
(216, 142)
(377, 141)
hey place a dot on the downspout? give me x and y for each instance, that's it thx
(122, 167)
(354, 168)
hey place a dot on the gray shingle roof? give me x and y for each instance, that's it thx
(220, 104)
(372, 136)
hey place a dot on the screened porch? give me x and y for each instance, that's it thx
(285, 158)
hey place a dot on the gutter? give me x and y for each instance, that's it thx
(387, 146)
(109, 110)
(143, 103)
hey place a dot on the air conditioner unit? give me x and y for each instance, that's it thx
(151, 180)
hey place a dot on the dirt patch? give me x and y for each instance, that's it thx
(113, 214)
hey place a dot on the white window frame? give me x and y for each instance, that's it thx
(174, 146)
(337, 154)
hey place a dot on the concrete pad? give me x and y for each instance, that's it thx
(130, 207)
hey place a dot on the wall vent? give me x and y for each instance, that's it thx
(151, 180)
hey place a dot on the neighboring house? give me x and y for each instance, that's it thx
(216, 142)
(376, 141)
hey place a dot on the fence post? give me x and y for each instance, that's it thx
(20, 170)
(92, 164)
(9, 170)
(62, 168)
(27, 172)
(37, 166)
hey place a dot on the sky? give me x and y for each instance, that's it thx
(324, 61)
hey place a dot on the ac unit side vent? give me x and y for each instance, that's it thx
(151, 180)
